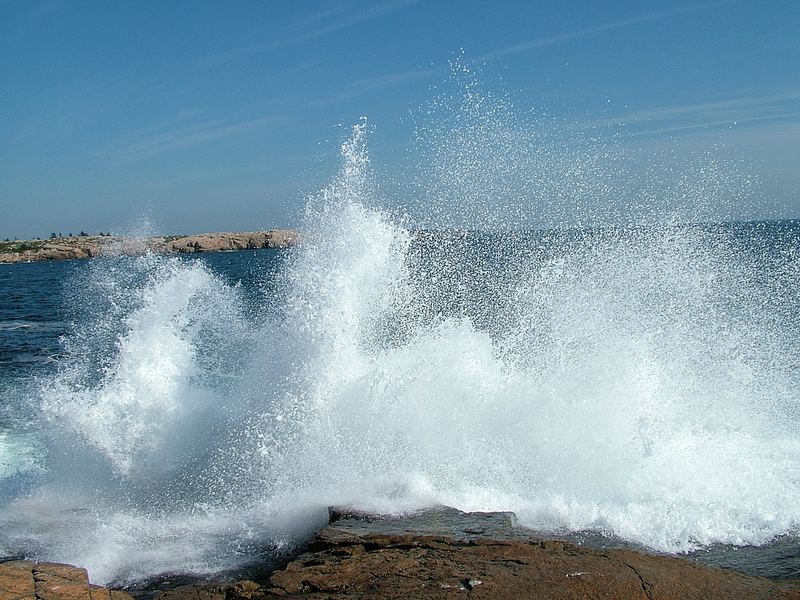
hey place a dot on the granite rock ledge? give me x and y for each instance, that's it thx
(94, 246)
(25, 580)
(434, 554)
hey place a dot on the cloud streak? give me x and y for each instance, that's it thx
(45, 9)
(738, 110)
(595, 29)
(711, 125)
(344, 21)
(152, 142)
(373, 84)
(333, 20)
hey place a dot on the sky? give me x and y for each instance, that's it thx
(191, 116)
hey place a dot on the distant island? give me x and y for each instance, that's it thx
(90, 246)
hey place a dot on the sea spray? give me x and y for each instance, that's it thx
(638, 381)
(344, 287)
(479, 162)
(574, 384)
(126, 427)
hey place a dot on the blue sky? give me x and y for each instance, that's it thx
(204, 116)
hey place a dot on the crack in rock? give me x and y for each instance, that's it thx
(644, 584)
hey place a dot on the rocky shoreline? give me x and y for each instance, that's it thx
(94, 246)
(439, 553)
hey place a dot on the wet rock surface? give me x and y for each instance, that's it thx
(25, 580)
(441, 553)
(445, 553)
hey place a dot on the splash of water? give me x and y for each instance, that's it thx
(635, 381)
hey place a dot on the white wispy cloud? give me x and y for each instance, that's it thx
(169, 137)
(711, 124)
(311, 26)
(739, 109)
(561, 38)
(348, 19)
(45, 8)
(373, 84)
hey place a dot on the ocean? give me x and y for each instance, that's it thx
(629, 385)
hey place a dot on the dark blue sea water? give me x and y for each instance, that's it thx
(43, 301)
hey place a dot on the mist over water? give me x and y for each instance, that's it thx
(639, 381)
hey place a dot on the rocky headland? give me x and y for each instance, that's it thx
(439, 553)
(92, 246)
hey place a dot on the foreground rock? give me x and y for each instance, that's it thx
(92, 246)
(445, 553)
(485, 555)
(24, 580)
(431, 567)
